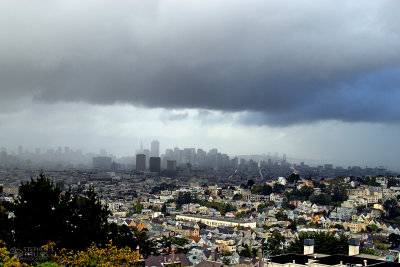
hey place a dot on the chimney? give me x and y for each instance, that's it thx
(311, 262)
(308, 246)
(212, 254)
(173, 255)
(260, 258)
(365, 263)
(354, 246)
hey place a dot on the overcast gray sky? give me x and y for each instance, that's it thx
(312, 79)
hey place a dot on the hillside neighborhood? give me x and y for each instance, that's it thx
(232, 223)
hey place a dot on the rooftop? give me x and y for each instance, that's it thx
(224, 219)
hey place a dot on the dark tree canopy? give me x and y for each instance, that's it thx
(325, 243)
(293, 178)
(5, 223)
(275, 242)
(44, 213)
(38, 213)
(392, 208)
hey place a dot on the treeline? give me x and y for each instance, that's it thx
(187, 198)
(43, 213)
(332, 195)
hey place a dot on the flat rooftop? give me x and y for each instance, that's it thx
(216, 218)
(289, 258)
(331, 260)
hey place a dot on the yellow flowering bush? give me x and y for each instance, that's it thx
(6, 260)
(95, 256)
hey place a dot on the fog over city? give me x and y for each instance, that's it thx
(316, 80)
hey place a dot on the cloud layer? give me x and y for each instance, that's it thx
(276, 62)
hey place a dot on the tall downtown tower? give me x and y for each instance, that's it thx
(155, 149)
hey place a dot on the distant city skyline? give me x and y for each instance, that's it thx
(143, 149)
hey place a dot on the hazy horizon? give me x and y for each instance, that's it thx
(315, 80)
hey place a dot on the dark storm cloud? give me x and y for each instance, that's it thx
(277, 62)
(173, 116)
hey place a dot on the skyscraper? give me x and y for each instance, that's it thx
(102, 163)
(140, 162)
(155, 164)
(171, 165)
(155, 149)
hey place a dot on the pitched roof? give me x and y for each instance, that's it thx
(158, 260)
(195, 238)
(209, 264)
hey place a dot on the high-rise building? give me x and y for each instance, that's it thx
(103, 152)
(155, 164)
(155, 149)
(171, 165)
(140, 162)
(102, 163)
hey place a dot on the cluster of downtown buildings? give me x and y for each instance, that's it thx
(177, 162)
(150, 160)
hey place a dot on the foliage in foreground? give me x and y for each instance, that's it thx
(110, 255)
(6, 259)
(95, 256)
(71, 221)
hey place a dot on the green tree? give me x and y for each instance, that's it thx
(365, 250)
(37, 211)
(146, 245)
(184, 198)
(371, 181)
(322, 199)
(137, 208)
(250, 183)
(237, 197)
(162, 187)
(226, 260)
(245, 252)
(164, 209)
(338, 226)
(239, 215)
(168, 241)
(293, 225)
(89, 220)
(394, 240)
(380, 242)
(121, 235)
(391, 182)
(339, 194)
(275, 242)
(44, 213)
(325, 243)
(293, 178)
(266, 189)
(5, 222)
(301, 221)
(303, 194)
(279, 216)
(392, 208)
(278, 188)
